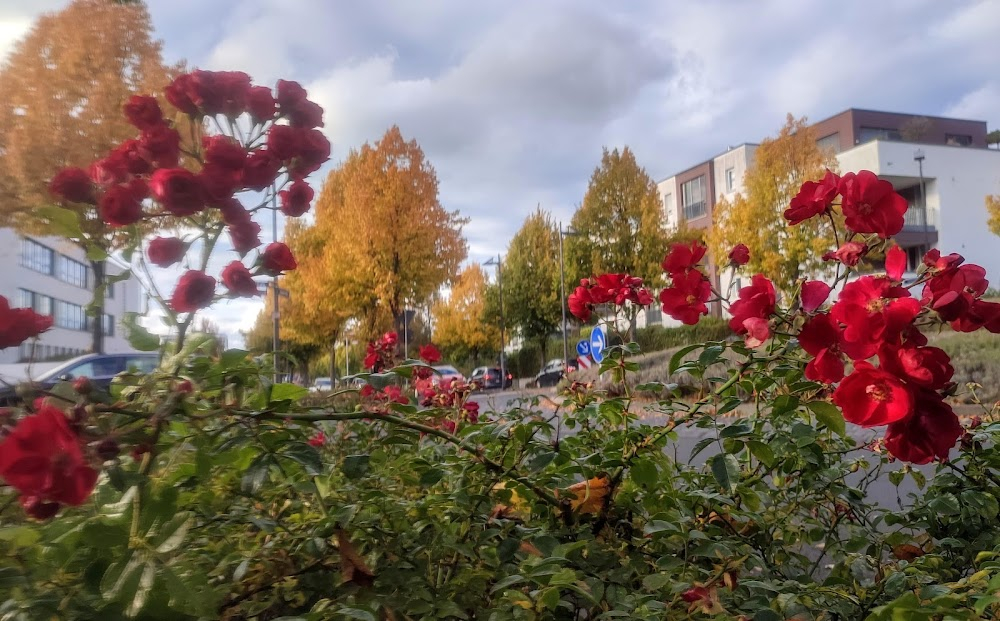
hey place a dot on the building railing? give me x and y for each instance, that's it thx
(914, 216)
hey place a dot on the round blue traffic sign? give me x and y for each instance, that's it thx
(597, 343)
(583, 348)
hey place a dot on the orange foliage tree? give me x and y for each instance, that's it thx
(461, 328)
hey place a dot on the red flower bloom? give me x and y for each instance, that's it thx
(42, 458)
(245, 235)
(290, 94)
(261, 104)
(178, 190)
(130, 157)
(17, 325)
(980, 315)
(927, 434)
(313, 152)
(143, 112)
(849, 254)
(579, 303)
(219, 92)
(219, 183)
(178, 93)
(814, 199)
(73, 185)
(874, 312)
(871, 397)
(238, 279)
(739, 255)
(379, 355)
(927, 367)
(306, 114)
(758, 330)
(295, 200)
(937, 264)
(814, 293)
(194, 291)
(37, 508)
(318, 440)
(277, 258)
(683, 257)
(756, 302)
(224, 152)
(430, 354)
(820, 338)
(161, 146)
(951, 293)
(685, 299)
(260, 169)
(232, 211)
(119, 206)
(696, 594)
(871, 205)
(895, 263)
(283, 142)
(620, 288)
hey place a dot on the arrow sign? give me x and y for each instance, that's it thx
(597, 343)
(583, 348)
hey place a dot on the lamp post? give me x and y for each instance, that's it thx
(918, 157)
(503, 345)
(276, 313)
(562, 293)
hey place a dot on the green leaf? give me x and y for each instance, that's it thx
(766, 614)
(711, 355)
(232, 357)
(20, 536)
(62, 222)
(96, 253)
(655, 582)
(678, 357)
(644, 472)
(356, 466)
(506, 582)
(356, 613)
(726, 470)
(431, 477)
(507, 548)
(137, 336)
(304, 455)
(256, 474)
(761, 451)
(171, 535)
(830, 415)
(288, 392)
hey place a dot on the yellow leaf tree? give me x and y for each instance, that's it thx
(63, 89)
(755, 217)
(993, 208)
(460, 325)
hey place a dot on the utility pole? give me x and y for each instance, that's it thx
(918, 155)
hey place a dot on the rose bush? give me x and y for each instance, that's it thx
(204, 490)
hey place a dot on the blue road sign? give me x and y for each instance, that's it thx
(583, 348)
(597, 343)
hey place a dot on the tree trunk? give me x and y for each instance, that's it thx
(97, 329)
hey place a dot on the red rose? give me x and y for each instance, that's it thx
(245, 236)
(261, 104)
(37, 508)
(318, 440)
(871, 397)
(83, 385)
(73, 185)
(871, 205)
(131, 156)
(161, 145)
(194, 291)
(696, 594)
(758, 330)
(430, 354)
(165, 251)
(219, 183)
(260, 169)
(756, 301)
(17, 325)
(685, 299)
(41, 457)
(927, 367)
(290, 94)
(683, 257)
(179, 191)
(927, 434)
(179, 92)
(849, 254)
(313, 152)
(224, 152)
(219, 92)
(951, 293)
(579, 303)
(283, 142)
(622, 287)
(814, 199)
(120, 206)
(114, 168)
(143, 112)
(873, 311)
(980, 315)
(306, 114)
(820, 338)
(814, 293)
(277, 258)
(238, 279)
(739, 255)
(895, 263)
(295, 200)
(936, 264)
(232, 211)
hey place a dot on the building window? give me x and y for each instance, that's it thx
(958, 140)
(878, 133)
(693, 198)
(35, 256)
(668, 203)
(71, 271)
(41, 304)
(109, 325)
(829, 143)
(70, 316)
(730, 179)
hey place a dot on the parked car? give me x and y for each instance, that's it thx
(490, 377)
(445, 373)
(100, 368)
(550, 374)
(321, 384)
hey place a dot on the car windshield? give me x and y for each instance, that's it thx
(446, 370)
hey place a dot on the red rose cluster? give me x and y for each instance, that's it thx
(185, 180)
(605, 289)
(381, 354)
(379, 401)
(686, 298)
(43, 459)
(17, 325)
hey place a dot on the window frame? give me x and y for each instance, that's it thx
(694, 209)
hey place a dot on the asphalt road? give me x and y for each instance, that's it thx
(881, 491)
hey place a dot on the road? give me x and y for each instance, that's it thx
(881, 491)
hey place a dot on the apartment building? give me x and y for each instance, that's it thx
(941, 166)
(52, 276)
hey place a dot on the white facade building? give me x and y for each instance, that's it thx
(52, 276)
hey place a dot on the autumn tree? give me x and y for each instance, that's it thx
(460, 325)
(531, 280)
(755, 216)
(63, 89)
(380, 210)
(993, 209)
(619, 227)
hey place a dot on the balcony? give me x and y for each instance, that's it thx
(914, 216)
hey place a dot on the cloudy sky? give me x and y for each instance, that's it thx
(512, 101)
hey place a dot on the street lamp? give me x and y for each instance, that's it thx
(503, 366)
(562, 293)
(276, 313)
(918, 157)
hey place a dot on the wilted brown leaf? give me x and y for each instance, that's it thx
(588, 496)
(907, 552)
(352, 567)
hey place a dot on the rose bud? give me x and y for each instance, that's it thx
(108, 449)
(83, 385)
